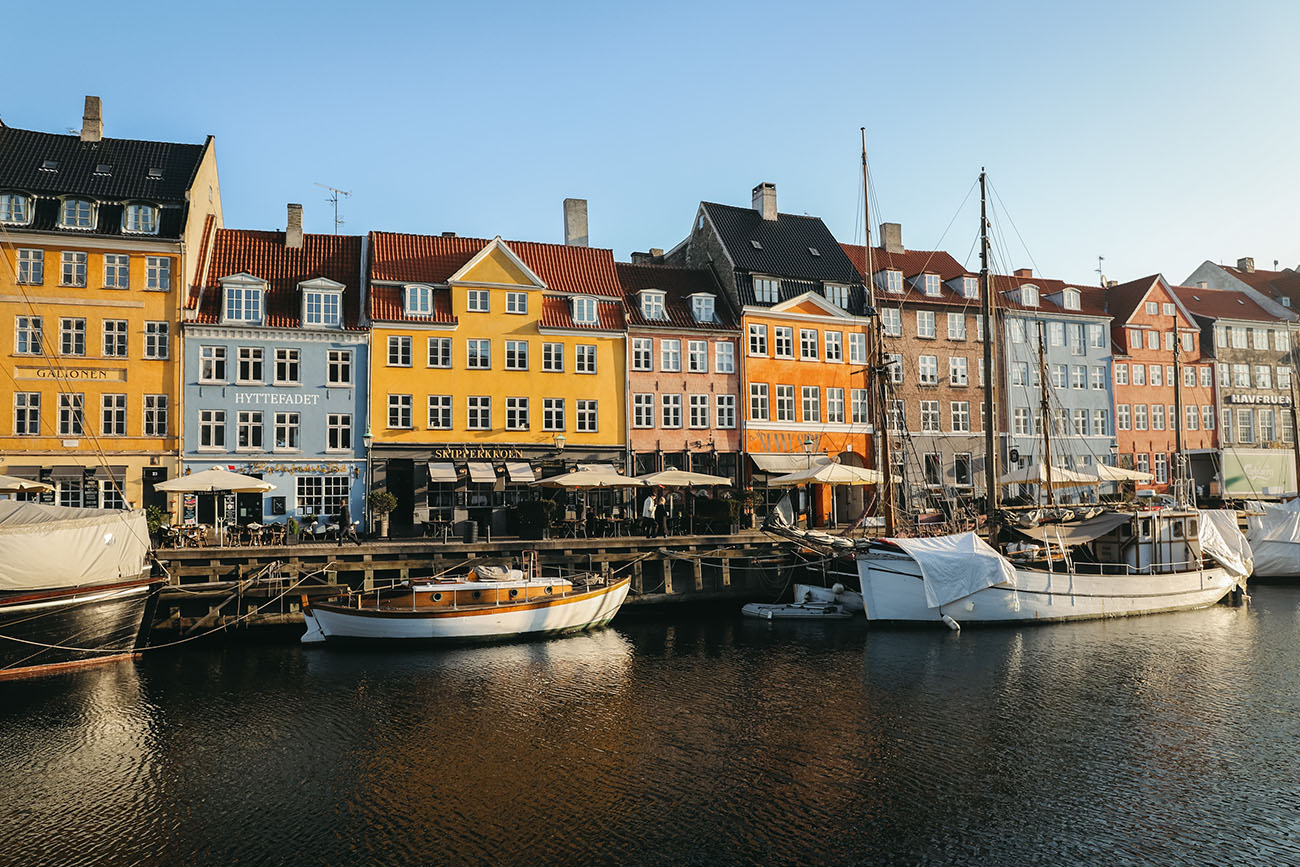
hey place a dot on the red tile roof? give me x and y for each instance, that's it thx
(677, 284)
(557, 312)
(1221, 304)
(1273, 284)
(265, 256)
(912, 263)
(1122, 299)
(1092, 299)
(387, 305)
(196, 291)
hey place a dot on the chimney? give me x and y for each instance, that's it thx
(92, 123)
(1024, 272)
(575, 222)
(654, 257)
(1247, 264)
(293, 234)
(891, 237)
(763, 199)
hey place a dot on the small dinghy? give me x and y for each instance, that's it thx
(796, 611)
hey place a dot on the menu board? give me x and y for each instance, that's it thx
(47, 476)
(89, 489)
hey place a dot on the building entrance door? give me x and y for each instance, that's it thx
(401, 484)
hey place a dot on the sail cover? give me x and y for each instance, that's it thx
(47, 547)
(1275, 539)
(956, 566)
(1076, 533)
(1221, 539)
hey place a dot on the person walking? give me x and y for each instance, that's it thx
(345, 524)
(648, 516)
(661, 516)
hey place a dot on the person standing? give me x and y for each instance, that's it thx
(661, 516)
(648, 516)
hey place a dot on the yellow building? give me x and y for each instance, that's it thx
(492, 363)
(99, 238)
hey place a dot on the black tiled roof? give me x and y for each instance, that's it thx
(791, 289)
(45, 218)
(784, 245)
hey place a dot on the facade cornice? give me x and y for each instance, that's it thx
(224, 332)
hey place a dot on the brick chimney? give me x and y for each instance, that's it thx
(1024, 272)
(293, 234)
(763, 199)
(92, 122)
(575, 222)
(891, 237)
(1247, 264)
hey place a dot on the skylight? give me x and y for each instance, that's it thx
(103, 169)
(49, 165)
(154, 174)
(756, 245)
(814, 251)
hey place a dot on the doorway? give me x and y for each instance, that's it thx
(400, 482)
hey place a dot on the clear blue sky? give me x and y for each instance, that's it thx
(1156, 134)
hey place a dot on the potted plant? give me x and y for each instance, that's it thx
(381, 502)
(153, 518)
(292, 528)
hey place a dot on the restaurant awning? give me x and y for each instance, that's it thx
(786, 462)
(482, 472)
(442, 473)
(520, 472)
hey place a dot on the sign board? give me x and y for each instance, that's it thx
(47, 476)
(1262, 399)
(1258, 472)
(189, 509)
(261, 468)
(477, 453)
(92, 374)
(89, 489)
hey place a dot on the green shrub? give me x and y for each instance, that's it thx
(153, 518)
(381, 502)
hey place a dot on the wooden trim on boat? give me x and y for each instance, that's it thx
(58, 667)
(468, 611)
(53, 593)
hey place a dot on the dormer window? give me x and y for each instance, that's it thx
(970, 287)
(15, 209)
(1070, 298)
(140, 218)
(419, 301)
(77, 214)
(891, 279)
(1029, 295)
(767, 290)
(322, 303)
(243, 301)
(702, 307)
(930, 284)
(584, 310)
(837, 294)
(652, 304)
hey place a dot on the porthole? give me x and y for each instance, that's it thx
(478, 594)
(437, 597)
(549, 590)
(514, 591)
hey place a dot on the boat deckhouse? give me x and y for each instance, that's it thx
(805, 330)
(497, 362)
(683, 371)
(100, 236)
(275, 372)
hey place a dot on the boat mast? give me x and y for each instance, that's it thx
(1180, 481)
(1045, 409)
(876, 354)
(990, 334)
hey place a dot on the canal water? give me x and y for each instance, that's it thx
(700, 739)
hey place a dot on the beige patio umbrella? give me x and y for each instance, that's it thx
(215, 481)
(1036, 474)
(587, 478)
(1107, 473)
(684, 479)
(15, 485)
(832, 474)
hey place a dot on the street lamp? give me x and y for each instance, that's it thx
(367, 440)
(808, 445)
(559, 442)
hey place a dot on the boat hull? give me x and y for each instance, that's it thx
(55, 630)
(893, 592)
(571, 613)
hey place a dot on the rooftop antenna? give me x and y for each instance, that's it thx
(333, 199)
(1101, 277)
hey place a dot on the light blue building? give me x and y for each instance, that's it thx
(276, 373)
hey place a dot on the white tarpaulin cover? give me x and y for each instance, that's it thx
(1275, 539)
(956, 566)
(1221, 539)
(44, 547)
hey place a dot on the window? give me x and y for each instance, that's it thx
(517, 302)
(957, 371)
(248, 430)
(671, 410)
(702, 307)
(652, 305)
(1078, 377)
(758, 402)
(834, 346)
(897, 415)
(766, 290)
(1284, 379)
(1016, 327)
(27, 335)
(399, 350)
(1225, 430)
(516, 355)
(553, 356)
(1121, 416)
(212, 429)
(476, 301)
(785, 403)
(115, 338)
(27, 413)
(158, 273)
(859, 406)
(320, 495)
(1097, 336)
(1056, 333)
(1157, 416)
(155, 415)
(1207, 376)
(642, 354)
(1259, 338)
(1143, 461)
(758, 340)
(584, 310)
(77, 214)
(1282, 339)
(1139, 374)
(933, 469)
(1162, 467)
(1020, 421)
(1059, 375)
(72, 419)
(834, 406)
(930, 284)
(1238, 335)
(812, 403)
(1097, 378)
(419, 301)
(1139, 416)
(249, 368)
(478, 354)
(1263, 376)
(1153, 308)
(287, 365)
(1267, 429)
(956, 326)
(587, 416)
(74, 268)
(1285, 421)
(156, 340)
(1155, 373)
(70, 493)
(960, 412)
(1241, 376)
(321, 309)
(643, 410)
(1153, 340)
(724, 356)
(893, 281)
(140, 218)
(699, 404)
(925, 323)
(399, 411)
(553, 414)
(726, 410)
(1029, 295)
(891, 323)
(31, 266)
(1207, 417)
(857, 349)
(1189, 377)
(1169, 341)
(1019, 373)
(783, 342)
(584, 358)
(979, 327)
(970, 287)
(929, 416)
(243, 304)
(440, 412)
(1076, 339)
(807, 344)
(894, 365)
(837, 294)
(15, 209)
(1191, 416)
(1080, 425)
(697, 356)
(72, 336)
(286, 431)
(517, 413)
(479, 415)
(1070, 298)
(928, 369)
(338, 366)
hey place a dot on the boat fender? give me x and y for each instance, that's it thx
(951, 624)
(837, 588)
